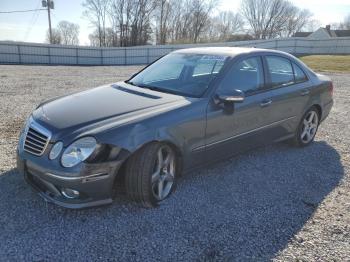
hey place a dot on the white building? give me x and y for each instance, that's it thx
(324, 33)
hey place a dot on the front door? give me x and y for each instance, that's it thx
(232, 130)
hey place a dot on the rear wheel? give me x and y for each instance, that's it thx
(151, 174)
(307, 129)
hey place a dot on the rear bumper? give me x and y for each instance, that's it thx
(326, 110)
(94, 182)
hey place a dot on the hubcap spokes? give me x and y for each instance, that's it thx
(164, 173)
(310, 125)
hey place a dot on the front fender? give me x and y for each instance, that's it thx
(133, 137)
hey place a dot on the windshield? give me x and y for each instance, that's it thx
(182, 74)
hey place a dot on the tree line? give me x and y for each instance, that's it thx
(140, 22)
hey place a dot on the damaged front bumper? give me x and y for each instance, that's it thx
(92, 182)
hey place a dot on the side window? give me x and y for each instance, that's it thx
(280, 70)
(246, 75)
(299, 74)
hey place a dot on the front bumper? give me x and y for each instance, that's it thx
(94, 182)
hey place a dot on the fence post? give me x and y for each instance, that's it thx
(125, 62)
(48, 51)
(76, 56)
(148, 55)
(336, 47)
(19, 54)
(295, 46)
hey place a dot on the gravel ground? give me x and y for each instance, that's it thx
(277, 202)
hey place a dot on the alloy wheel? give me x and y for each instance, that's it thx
(310, 125)
(164, 173)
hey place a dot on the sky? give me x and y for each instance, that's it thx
(32, 26)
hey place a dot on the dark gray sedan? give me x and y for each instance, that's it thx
(190, 108)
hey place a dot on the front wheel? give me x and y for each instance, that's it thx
(307, 128)
(151, 174)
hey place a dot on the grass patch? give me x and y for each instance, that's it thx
(328, 63)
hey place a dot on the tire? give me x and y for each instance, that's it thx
(151, 174)
(307, 128)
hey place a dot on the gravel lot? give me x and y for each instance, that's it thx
(277, 202)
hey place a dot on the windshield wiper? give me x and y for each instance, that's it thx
(153, 88)
(130, 83)
(159, 89)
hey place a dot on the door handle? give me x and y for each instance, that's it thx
(305, 92)
(265, 103)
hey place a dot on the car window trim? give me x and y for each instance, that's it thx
(269, 85)
(267, 80)
(307, 78)
(292, 62)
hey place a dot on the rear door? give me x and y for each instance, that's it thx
(286, 94)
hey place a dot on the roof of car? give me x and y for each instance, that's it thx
(226, 51)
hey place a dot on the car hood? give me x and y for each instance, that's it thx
(117, 102)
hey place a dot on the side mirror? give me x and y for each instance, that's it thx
(236, 96)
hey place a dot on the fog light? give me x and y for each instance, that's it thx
(70, 193)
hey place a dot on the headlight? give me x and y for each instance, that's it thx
(78, 151)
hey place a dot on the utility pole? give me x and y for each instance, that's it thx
(50, 5)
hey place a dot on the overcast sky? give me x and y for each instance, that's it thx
(32, 26)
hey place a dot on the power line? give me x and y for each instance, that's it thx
(32, 20)
(21, 11)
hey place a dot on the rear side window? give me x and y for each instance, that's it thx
(299, 74)
(246, 75)
(280, 70)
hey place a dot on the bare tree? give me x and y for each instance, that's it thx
(69, 33)
(96, 12)
(120, 15)
(201, 10)
(188, 21)
(140, 23)
(345, 25)
(347, 22)
(136, 22)
(297, 19)
(110, 41)
(225, 24)
(94, 39)
(312, 25)
(269, 18)
(56, 37)
(131, 20)
(181, 21)
(163, 12)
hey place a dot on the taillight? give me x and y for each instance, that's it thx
(331, 89)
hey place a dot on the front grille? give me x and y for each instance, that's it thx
(35, 142)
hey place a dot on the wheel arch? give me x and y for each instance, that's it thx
(173, 146)
(317, 107)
